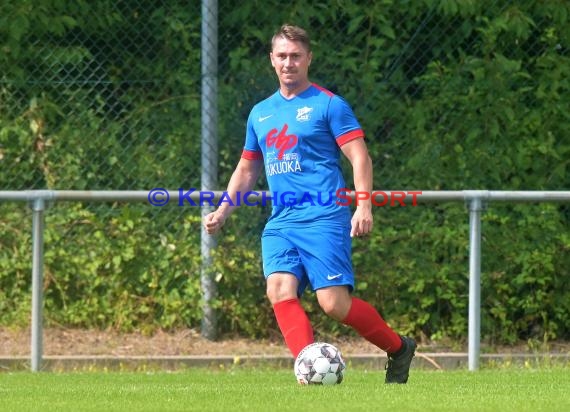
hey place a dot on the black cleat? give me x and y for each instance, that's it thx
(398, 366)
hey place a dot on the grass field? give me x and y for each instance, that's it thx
(276, 390)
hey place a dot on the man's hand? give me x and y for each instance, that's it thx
(362, 222)
(213, 222)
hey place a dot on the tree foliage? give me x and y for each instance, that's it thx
(452, 95)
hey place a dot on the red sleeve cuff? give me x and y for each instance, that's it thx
(251, 155)
(347, 137)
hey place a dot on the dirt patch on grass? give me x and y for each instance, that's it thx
(189, 342)
(74, 342)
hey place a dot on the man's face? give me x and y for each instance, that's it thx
(291, 62)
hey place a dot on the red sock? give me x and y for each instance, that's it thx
(366, 320)
(294, 324)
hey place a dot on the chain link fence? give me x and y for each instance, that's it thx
(111, 91)
(106, 95)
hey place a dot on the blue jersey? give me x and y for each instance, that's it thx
(299, 141)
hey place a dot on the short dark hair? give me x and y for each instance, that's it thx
(293, 33)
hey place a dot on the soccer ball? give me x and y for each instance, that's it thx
(319, 363)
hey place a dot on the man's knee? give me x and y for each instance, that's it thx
(335, 303)
(280, 287)
(329, 306)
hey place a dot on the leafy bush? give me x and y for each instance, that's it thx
(452, 95)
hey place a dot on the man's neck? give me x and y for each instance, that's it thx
(293, 91)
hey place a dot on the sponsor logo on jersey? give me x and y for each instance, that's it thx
(281, 140)
(277, 161)
(278, 168)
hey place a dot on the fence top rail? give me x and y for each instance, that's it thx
(421, 196)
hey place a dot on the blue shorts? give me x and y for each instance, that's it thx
(318, 256)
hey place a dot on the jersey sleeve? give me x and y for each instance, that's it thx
(343, 122)
(251, 149)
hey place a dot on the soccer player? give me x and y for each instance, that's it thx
(297, 134)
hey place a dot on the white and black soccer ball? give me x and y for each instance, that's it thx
(319, 363)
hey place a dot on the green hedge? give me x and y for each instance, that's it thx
(452, 95)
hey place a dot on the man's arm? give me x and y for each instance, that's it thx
(357, 153)
(243, 179)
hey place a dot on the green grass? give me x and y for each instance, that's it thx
(276, 390)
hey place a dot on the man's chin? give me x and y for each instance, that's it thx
(291, 83)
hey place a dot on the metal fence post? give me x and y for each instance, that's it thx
(39, 200)
(209, 155)
(475, 207)
(38, 208)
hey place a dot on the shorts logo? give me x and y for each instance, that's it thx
(303, 114)
(333, 277)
